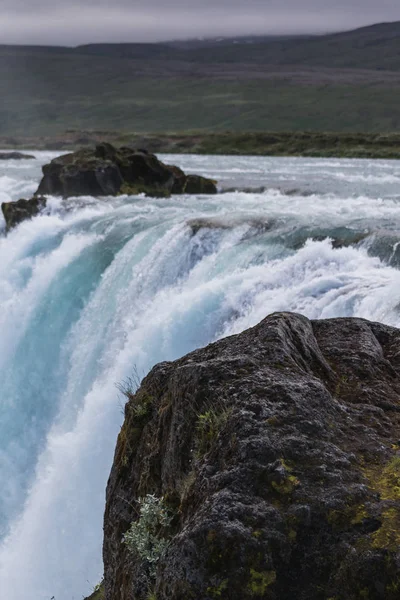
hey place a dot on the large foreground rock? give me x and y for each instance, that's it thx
(107, 171)
(277, 452)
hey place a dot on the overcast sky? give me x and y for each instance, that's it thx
(70, 23)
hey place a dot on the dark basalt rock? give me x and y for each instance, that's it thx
(15, 156)
(108, 171)
(193, 184)
(278, 452)
(258, 226)
(15, 212)
(245, 190)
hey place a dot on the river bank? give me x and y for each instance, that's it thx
(308, 144)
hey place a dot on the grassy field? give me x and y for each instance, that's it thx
(147, 105)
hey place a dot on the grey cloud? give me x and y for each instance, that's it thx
(52, 22)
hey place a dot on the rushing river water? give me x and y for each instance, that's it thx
(95, 288)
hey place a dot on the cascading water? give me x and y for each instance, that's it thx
(94, 289)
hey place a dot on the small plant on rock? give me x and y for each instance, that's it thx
(209, 426)
(147, 537)
(140, 402)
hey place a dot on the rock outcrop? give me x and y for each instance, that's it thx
(105, 171)
(16, 212)
(277, 455)
(15, 156)
(108, 171)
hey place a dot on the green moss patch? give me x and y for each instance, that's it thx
(260, 581)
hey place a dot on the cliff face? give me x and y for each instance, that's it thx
(277, 455)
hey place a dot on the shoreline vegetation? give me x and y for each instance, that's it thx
(307, 144)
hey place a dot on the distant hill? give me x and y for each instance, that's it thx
(373, 47)
(346, 81)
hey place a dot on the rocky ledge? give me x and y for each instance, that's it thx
(266, 465)
(106, 171)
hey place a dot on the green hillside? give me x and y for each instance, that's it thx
(343, 82)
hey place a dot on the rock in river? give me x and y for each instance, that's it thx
(107, 171)
(15, 212)
(15, 156)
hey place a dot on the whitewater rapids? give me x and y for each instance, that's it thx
(96, 289)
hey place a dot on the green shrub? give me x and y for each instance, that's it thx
(147, 537)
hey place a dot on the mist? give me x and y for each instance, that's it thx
(42, 22)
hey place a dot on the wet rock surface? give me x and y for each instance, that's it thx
(277, 452)
(16, 212)
(256, 226)
(108, 171)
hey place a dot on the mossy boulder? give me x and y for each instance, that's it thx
(15, 212)
(278, 452)
(108, 171)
